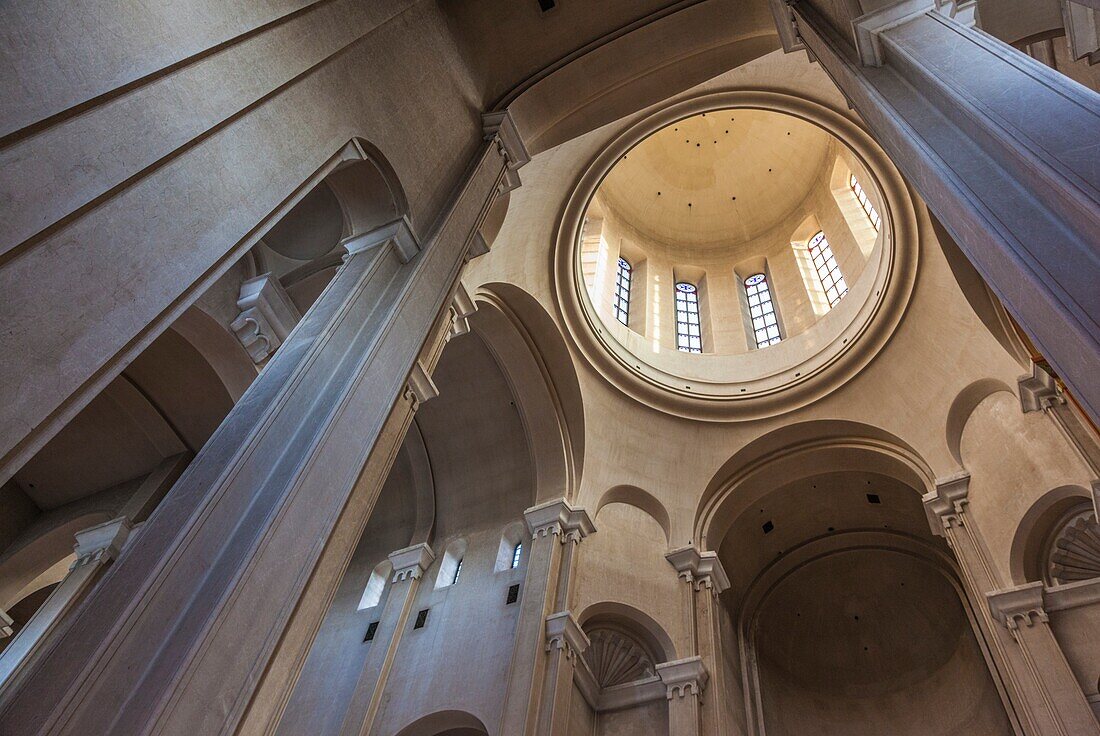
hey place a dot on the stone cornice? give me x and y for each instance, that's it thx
(411, 562)
(945, 505)
(462, 307)
(102, 542)
(1071, 595)
(700, 569)
(869, 27)
(1022, 604)
(500, 126)
(400, 231)
(559, 518)
(563, 632)
(683, 677)
(1039, 390)
(420, 387)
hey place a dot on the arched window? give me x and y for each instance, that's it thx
(865, 202)
(458, 571)
(621, 304)
(688, 337)
(510, 551)
(516, 554)
(372, 594)
(828, 270)
(765, 325)
(451, 565)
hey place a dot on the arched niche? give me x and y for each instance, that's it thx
(532, 354)
(445, 723)
(1040, 528)
(638, 498)
(639, 625)
(963, 406)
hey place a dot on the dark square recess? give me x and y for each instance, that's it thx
(421, 619)
(873, 498)
(513, 594)
(371, 629)
(768, 526)
(545, 5)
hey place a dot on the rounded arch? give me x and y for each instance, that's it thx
(222, 351)
(445, 723)
(963, 406)
(533, 357)
(638, 498)
(423, 482)
(799, 451)
(368, 189)
(1037, 527)
(35, 562)
(641, 624)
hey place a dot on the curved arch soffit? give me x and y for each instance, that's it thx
(796, 452)
(534, 360)
(886, 294)
(220, 349)
(632, 619)
(639, 499)
(423, 483)
(963, 406)
(368, 189)
(443, 721)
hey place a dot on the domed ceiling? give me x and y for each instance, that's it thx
(717, 177)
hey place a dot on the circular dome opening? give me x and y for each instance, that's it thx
(732, 247)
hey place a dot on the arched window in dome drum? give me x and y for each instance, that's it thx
(621, 303)
(765, 324)
(828, 270)
(688, 335)
(865, 202)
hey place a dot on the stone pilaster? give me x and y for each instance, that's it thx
(955, 110)
(685, 680)
(706, 580)
(409, 566)
(205, 594)
(556, 527)
(565, 643)
(1030, 689)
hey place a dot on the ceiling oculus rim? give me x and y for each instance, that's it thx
(875, 309)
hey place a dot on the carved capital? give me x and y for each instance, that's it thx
(101, 543)
(1020, 605)
(868, 28)
(558, 518)
(462, 306)
(699, 569)
(500, 127)
(683, 677)
(410, 563)
(420, 388)
(946, 505)
(400, 232)
(1039, 390)
(5, 624)
(564, 633)
(267, 316)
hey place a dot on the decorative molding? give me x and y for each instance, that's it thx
(500, 126)
(267, 316)
(399, 231)
(1039, 390)
(699, 569)
(420, 387)
(1075, 551)
(1071, 595)
(563, 632)
(616, 658)
(1022, 604)
(462, 306)
(786, 26)
(869, 27)
(683, 677)
(102, 542)
(946, 505)
(559, 518)
(412, 562)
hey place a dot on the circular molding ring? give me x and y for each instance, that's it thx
(817, 374)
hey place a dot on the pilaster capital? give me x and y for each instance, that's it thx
(102, 542)
(410, 563)
(946, 504)
(420, 387)
(266, 318)
(869, 27)
(399, 230)
(1039, 390)
(683, 677)
(559, 518)
(462, 306)
(5, 624)
(699, 569)
(1021, 604)
(500, 126)
(563, 632)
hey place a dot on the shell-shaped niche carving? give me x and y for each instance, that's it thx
(615, 657)
(1075, 554)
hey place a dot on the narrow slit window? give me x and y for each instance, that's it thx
(516, 555)
(828, 271)
(688, 336)
(865, 202)
(458, 571)
(621, 304)
(765, 325)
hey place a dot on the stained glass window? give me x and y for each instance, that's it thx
(688, 336)
(832, 281)
(621, 304)
(865, 202)
(765, 325)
